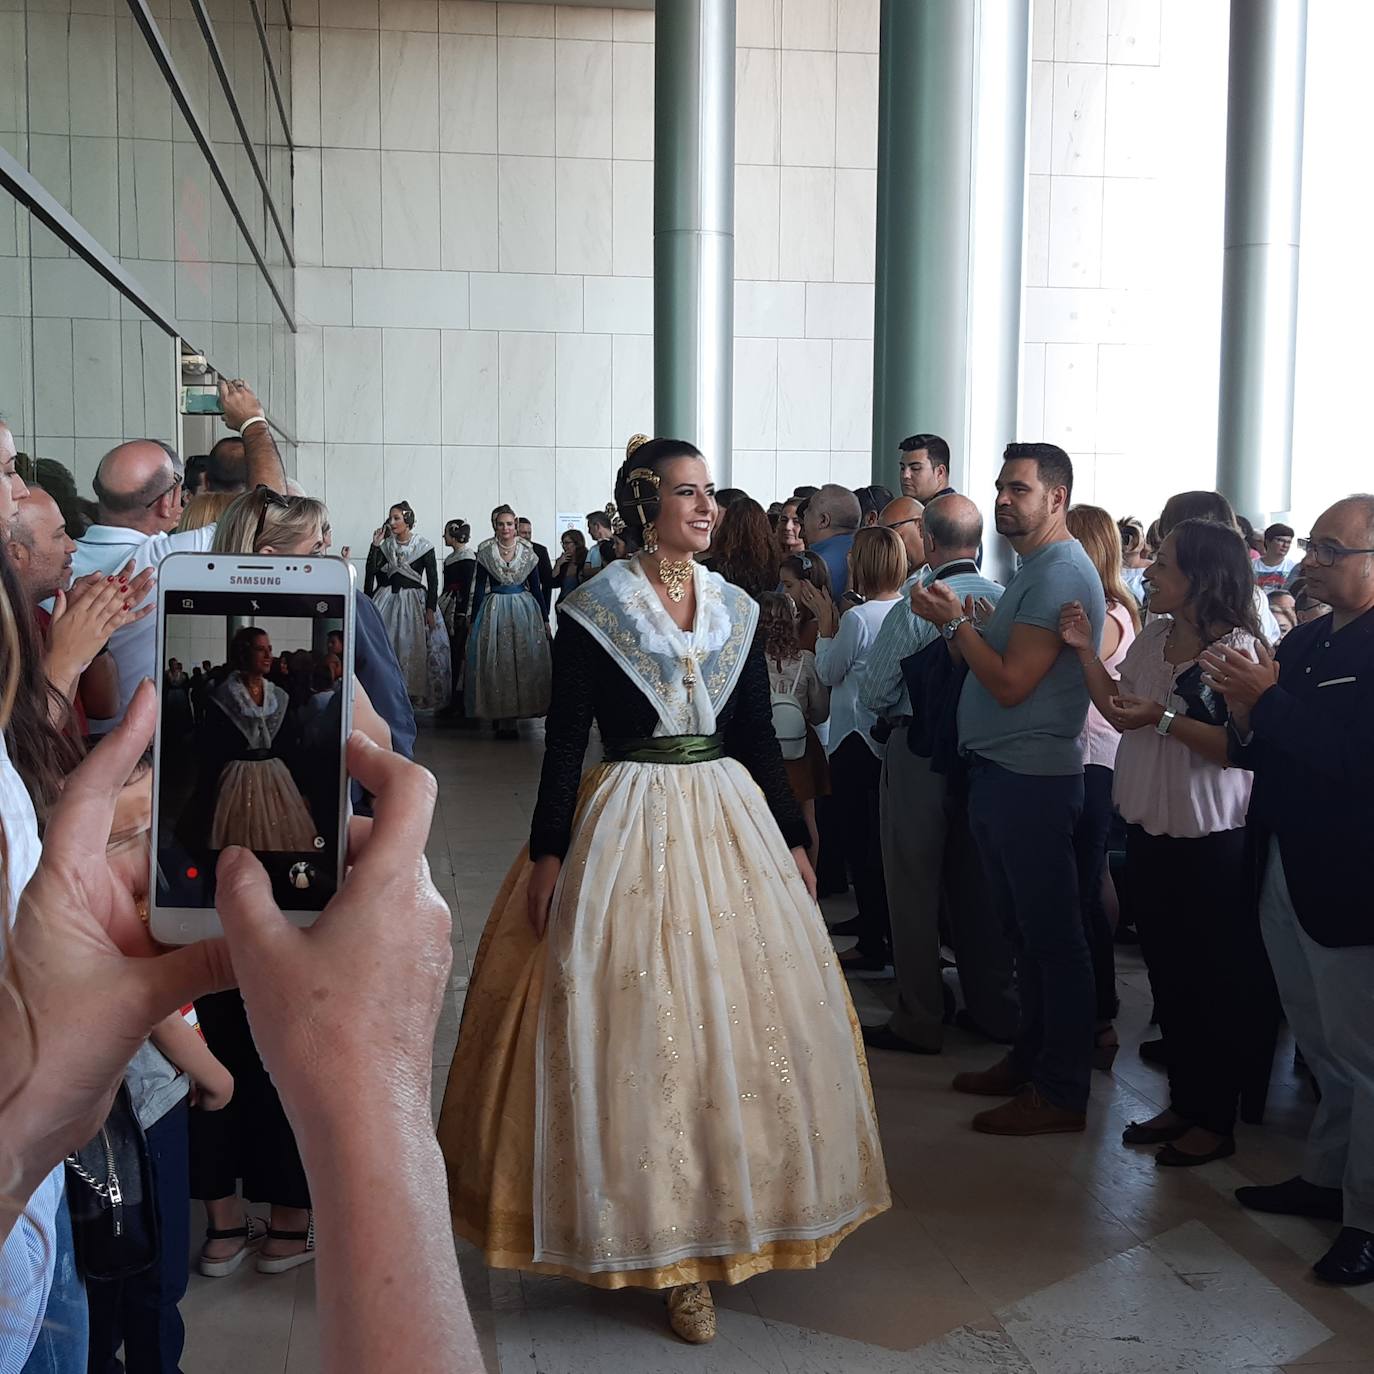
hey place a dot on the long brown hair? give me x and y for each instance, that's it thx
(743, 551)
(1100, 537)
(1221, 581)
(42, 754)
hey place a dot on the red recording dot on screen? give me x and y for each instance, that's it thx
(193, 873)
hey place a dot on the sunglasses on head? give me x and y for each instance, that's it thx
(270, 499)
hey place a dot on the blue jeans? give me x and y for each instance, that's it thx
(62, 1343)
(1024, 827)
(141, 1312)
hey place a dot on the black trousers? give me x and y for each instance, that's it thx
(250, 1140)
(1214, 990)
(855, 777)
(141, 1312)
(1090, 846)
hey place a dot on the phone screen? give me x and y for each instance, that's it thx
(251, 741)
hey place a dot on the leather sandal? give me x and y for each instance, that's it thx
(253, 1232)
(280, 1264)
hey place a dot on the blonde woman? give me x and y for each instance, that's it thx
(877, 569)
(1100, 537)
(204, 509)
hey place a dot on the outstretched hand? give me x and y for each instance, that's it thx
(91, 983)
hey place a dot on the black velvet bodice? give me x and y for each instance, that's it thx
(589, 685)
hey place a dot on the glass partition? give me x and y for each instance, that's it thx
(89, 109)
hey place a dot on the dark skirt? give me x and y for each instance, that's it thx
(809, 775)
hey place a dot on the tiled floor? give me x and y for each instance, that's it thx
(1062, 1255)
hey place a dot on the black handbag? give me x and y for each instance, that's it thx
(110, 1197)
(1201, 701)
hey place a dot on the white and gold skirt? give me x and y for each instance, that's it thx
(671, 1086)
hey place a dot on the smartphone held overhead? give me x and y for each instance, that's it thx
(254, 711)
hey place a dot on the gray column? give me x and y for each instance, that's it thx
(951, 168)
(1259, 295)
(694, 225)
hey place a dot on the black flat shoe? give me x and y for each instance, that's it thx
(851, 961)
(1350, 1261)
(1171, 1157)
(885, 1038)
(1138, 1134)
(853, 926)
(1294, 1197)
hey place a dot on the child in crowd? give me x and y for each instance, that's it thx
(800, 703)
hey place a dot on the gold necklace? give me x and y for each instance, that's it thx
(675, 575)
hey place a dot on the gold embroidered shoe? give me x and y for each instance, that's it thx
(692, 1313)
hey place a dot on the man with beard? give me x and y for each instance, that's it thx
(1021, 710)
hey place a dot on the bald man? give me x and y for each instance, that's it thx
(75, 662)
(831, 521)
(138, 491)
(929, 859)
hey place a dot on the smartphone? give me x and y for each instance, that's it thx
(255, 666)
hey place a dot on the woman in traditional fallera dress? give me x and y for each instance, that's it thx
(459, 568)
(402, 578)
(508, 663)
(256, 801)
(659, 1080)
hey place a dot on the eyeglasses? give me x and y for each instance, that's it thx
(270, 499)
(167, 491)
(1324, 555)
(897, 524)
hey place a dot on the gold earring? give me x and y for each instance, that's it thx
(650, 538)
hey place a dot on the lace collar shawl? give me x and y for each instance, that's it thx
(459, 556)
(399, 557)
(517, 570)
(623, 613)
(257, 724)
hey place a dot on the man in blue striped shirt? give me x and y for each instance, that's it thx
(927, 848)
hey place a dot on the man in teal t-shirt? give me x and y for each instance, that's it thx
(1020, 713)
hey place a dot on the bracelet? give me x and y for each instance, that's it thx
(251, 420)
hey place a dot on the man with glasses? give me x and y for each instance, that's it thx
(1303, 721)
(139, 496)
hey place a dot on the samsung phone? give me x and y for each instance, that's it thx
(255, 672)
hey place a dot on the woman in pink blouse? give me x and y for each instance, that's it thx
(1100, 537)
(1185, 847)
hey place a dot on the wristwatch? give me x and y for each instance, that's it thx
(1166, 722)
(951, 628)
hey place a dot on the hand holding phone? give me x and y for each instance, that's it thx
(252, 755)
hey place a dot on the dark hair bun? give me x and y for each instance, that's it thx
(637, 495)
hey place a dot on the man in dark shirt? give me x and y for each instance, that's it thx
(525, 530)
(1303, 721)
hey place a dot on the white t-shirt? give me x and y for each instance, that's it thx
(1273, 576)
(840, 664)
(106, 549)
(27, 1256)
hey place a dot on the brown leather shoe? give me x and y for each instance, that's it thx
(1003, 1079)
(1028, 1114)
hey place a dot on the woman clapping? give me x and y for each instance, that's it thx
(1185, 845)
